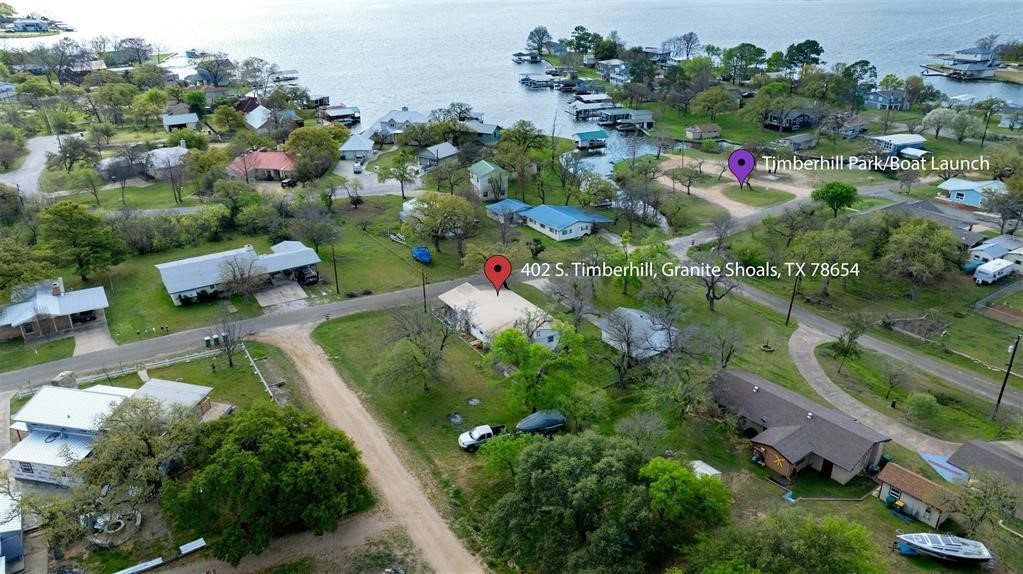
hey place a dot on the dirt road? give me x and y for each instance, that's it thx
(393, 483)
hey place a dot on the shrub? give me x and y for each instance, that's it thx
(710, 146)
(749, 252)
(922, 405)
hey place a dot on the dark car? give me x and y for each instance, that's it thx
(307, 276)
(542, 422)
(288, 182)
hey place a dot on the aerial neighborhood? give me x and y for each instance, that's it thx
(762, 314)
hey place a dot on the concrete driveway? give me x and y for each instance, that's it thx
(370, 184)
(26, 177)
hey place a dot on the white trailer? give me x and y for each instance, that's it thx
(992, 271)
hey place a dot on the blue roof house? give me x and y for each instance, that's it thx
(189, 121)
(562, 222)
(507, 211)
(971, 193)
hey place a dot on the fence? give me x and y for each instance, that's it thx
(259, 373)
(998, 295)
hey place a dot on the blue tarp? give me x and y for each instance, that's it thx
(941, 465)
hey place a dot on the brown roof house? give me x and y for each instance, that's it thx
(790, 432)
(917, 496)
(701, 131)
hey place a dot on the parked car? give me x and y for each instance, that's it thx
(358, 167)
(542, 422)
(307, 276)
(288, 182)
(472, 440)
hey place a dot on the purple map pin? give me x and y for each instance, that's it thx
(740, 163)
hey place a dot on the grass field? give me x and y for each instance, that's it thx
(16, 354)
(155, 196)
(757, 198)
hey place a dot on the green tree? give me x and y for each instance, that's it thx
(500, 455)
(234, 195)
(264, 468)
(192, 139)
(848, 343)
(543, 378)
(196, 101)
(714, 101)
(227, 118)
(836, 195)
(72, 151)
(988, 497)
(70, 235)
(86, 179)
(828, 246)
(206, 166)
(922, 405)
(685, 503)
(938, 119)
(537, 39)
(402, 170)
(441, 215)
(313, 144)
(920, 250)
(19, 265)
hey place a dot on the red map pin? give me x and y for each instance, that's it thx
(497, 269)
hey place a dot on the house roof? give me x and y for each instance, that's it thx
(67, 408)
(482, 128)
(997, 456)
(591, 135)
(890, 94)
(562, 216)
(800, 138)
(490, 313)
(913, 484)
(10, 515)
(901, 139)
(262, 160)
(591, 98)
(357, 142)
(167, 156)
(506, 206)
(246, 104)
(440, 151)
(50, 449)
(706, 127)
(831, 434)
(792, 442)
(257, 117)
(649, 337)
(178, 119)
(924, 208)
(339, 111)
(29, 302)
(207, 270)
(397, 117)
(172, 393)
(957, 184)
(483, 168)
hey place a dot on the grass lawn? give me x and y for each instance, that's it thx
(924, 192)
(16, 164)
(812, 484)
(672, 124)
(961, 416)
(236, 385)
(139, 302)
(155, 196)
(865, 203)
(15, 354)
(1009, 76)
(757, 198)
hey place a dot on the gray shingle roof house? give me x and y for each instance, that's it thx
(188, 279)
(436, 154)
(962, 229)
(46, 308)
(635, 332)
(794, 432)
(1003, 457)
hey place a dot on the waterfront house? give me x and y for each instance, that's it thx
(703, 131)
(46, 308)
(489, 180)
(562, 222)
(636, 332)
(486, 134)
(590, 140)
(995, 247)
(886, 100)
(483, 314)
(57, 427)
(626, 118)
(341, 114)
(791, 433)
(317, 101)
(262, 165)
(614, 70)
(791, 120)
(799, 142)
(853, 127)
(970, 193)
(435, 155)
(526, 57)
(507, 211)
(1005, 457)
(215, 93)
(356, 147)
(585, 110)
(189, 121)
(393, 123)
(620, 75)
(28, 25)
(659, 56)
(898, 144)
(1011, 117)
(195, 278)
(913, 494)
(605, 66)
(970, 63)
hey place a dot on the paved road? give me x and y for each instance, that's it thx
(26, 177)
(801, 348)
(184, 341)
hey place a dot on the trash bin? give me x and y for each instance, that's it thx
(223, 337)
(216, 339)
(208, 342)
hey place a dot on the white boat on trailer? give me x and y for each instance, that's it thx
(946, 547)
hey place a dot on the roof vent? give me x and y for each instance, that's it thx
(55, 289)
(809, 416)
(756, 389)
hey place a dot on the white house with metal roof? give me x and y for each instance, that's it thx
(485, 314)
(562, 222)
(46, 308)
(357, 146)
(61, 424)
(188, 280)
(174, 394)
(188, 121)
(900, 144)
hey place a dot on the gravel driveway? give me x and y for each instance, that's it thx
(26, 177)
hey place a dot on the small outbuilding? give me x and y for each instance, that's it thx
(437, 154)
(703, 131)
(913, 494)
(356, 147)
(189, 121)
(702, 469)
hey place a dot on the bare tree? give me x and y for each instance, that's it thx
(895, 376)
(230, 333)
(531, 321)
(175, 172)
(575, 293)
(506, 230)
(722, 342)
(242, 276)
(645, 428)
(629, 340)
(722, 225)
(792, 222)
(716, 282)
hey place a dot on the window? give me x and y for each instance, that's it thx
(28, 328)
(26, 467)
(894, 492)
(550, 339)
(960, 195)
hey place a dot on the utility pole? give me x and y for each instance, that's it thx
(423, 273)
(1005, 379)
(792, 300)
(333, 259)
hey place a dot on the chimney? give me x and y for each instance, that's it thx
(55, 289)
(182, 144)
(404, 108)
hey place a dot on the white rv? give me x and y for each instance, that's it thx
(992, 271)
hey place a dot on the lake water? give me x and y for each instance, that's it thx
(382, 54)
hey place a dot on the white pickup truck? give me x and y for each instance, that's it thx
(472, 440)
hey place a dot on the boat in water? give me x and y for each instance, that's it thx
(946, 547)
